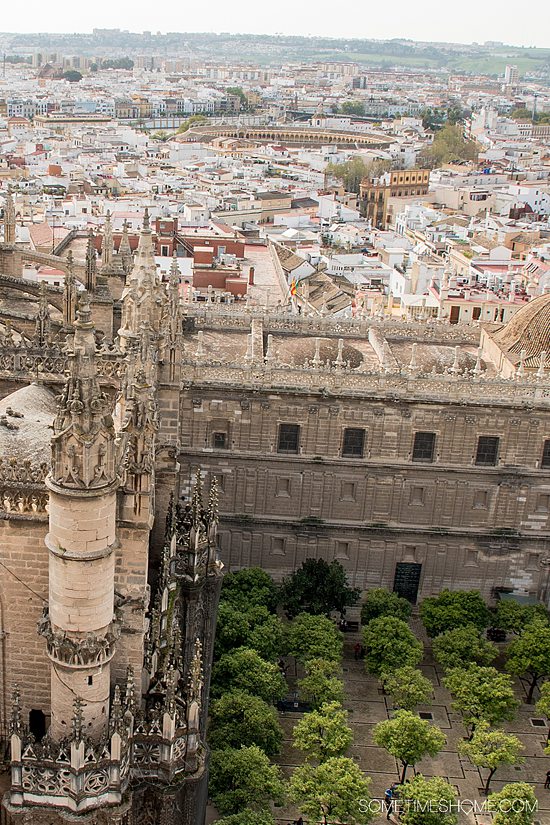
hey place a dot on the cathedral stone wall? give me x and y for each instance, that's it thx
(467, 525)
(23, 593)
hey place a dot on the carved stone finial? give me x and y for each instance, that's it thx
(91, 262)
(16, 719)
(520, 371)
(196, 675)
(43, 321)
(146, 220)
(317, 356)
(477, 370)
(542, 365)
(107, 246)
(78, 719)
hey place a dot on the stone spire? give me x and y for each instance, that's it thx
(83, 440)
(42, 328)
(124, 249)
(9, 219)
(107, 245)
(91, 264)
(69, 294)
(143, 296)
(80, 627)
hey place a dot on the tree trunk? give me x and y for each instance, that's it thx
(532, 687)
(486, 788)
(404, 772)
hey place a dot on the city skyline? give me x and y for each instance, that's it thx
(317, 20)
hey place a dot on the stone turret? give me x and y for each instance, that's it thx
(82, 629)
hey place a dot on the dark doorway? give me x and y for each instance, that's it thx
(455, 315)
(37, 724)
(407, 580)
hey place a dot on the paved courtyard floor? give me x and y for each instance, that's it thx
(367, 705)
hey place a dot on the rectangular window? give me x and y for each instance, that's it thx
(347, 491)
(341, 550)
(487, 450)
(480, 499)
(416, 497)
(424, 446)
(219, 441)
(545, 461)
(353, 443)
(289, 438)
(277, 546)
(543, 503)
(282, 487)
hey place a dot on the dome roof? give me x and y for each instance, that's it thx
(529, 330)
(26, 418)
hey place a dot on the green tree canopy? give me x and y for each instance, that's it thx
(449, 146)
(529, 654)
(237, 91)
(428, 802)
(433, 119)
(334, 791)
(353, 107)
(317, 587)
(512, 616)
(240, 719)
(245, 670)
(462, 645)
(481, 693)
(409, 738)
(193, 120)
(255, 628)
(351, 172)
(491, 749)
(454, 608)
(72, 76)
(381, 602)
(314, 637)
(248, 587)
(323, 733)
(408, 687)
(247, 817)
(514, 804)
(243, 778)
(389, 645)
(322, 682)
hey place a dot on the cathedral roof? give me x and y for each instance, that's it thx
(529, 330)
(26, 417)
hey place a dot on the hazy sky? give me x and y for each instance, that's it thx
(465, 21)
